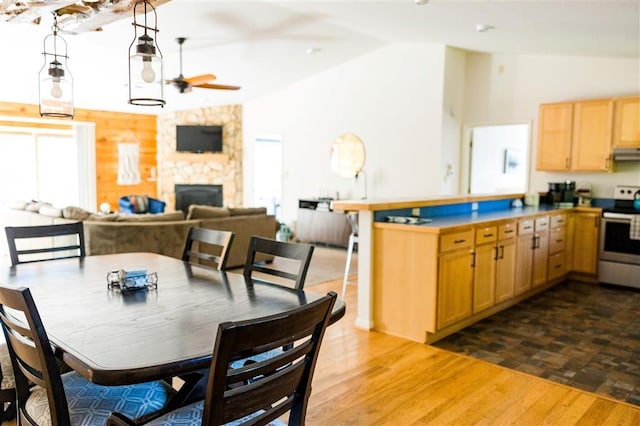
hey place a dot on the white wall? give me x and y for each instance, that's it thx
(452, 116)
(509, 88)
(391, 98)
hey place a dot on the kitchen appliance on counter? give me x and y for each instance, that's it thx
(619, 253)
(561, 194)
(583, 192)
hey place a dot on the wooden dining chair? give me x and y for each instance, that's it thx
(300, 253)
(44, 396)
(7, 385)
(64, 240)
(209, 247)
(261, 392)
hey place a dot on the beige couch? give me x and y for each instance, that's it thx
(163, 233)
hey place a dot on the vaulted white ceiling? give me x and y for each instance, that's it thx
(263, 45)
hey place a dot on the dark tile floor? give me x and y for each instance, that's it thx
(584, 336)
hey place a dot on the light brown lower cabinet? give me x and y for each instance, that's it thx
(430, 282)
(506, 270)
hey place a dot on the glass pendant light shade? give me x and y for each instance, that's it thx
(146, 85)
(55, 80)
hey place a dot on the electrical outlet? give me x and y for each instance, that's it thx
(415, 212)
(474, 207)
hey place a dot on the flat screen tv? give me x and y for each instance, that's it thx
(199, 139)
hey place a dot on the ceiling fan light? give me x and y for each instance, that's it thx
(146, 77)
(55, 82)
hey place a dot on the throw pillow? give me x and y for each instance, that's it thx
(247, 211)
(197, 211)
(156, 206)
(49, 210)
(17, 205)
(139, 203)
(34, 206)
(75, 213)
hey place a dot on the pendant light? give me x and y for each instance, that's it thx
(146, 85)
(55, 81)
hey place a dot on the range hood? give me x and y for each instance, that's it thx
(626, 154)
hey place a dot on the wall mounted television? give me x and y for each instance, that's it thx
(199, 139)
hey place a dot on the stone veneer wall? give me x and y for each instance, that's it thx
(212, 169)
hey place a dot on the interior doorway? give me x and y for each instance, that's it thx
(267, 174)
(496, 158)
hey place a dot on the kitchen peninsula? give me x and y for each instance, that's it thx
(429, 267)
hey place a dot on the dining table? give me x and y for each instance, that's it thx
(115, 337)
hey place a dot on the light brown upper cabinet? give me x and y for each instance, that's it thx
(554, 137)
(575, 136)
(626, 127)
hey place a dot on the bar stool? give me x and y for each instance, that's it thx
(352, 217)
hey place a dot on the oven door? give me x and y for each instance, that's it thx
(615, 243)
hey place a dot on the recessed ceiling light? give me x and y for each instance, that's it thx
(312, 50)
(421, 2)
(483, 28)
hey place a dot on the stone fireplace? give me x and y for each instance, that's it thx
(223, 169)
(208, 195)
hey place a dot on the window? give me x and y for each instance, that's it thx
(38, 163)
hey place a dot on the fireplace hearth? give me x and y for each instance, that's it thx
(208, 195)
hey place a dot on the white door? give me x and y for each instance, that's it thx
(267, 174)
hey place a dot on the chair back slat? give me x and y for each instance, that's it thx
(298, 252)
(273, 385)
(208, 247)
(66, 237)
(31, 354)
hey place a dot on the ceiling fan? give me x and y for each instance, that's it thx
(203, 81)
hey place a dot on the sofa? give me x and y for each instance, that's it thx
(163, 233)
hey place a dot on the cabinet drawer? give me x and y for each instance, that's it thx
(486, 234)
(456, 240)
(542, 223)
(557, 266)
(558, 220)
(507, 230)
(557, 240)
(525, 227)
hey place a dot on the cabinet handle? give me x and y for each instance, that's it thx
(527, 227)
(566, 163)
(495, 255)
(536, 241)
(458, 241)
(508, 231)
(559, 241)
(607, 162)
(487, 235)
(501, 252)
(473, 259)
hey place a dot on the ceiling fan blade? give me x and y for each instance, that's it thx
(217, 86)
(200, 79)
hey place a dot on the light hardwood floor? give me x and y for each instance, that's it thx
(368, 378)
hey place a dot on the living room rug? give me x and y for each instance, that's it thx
(584, 336)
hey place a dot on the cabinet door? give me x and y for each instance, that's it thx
(484, 277)
(455, 281)
(540, 258)
(524, 263)
(506, 270)
(585, 242)
(554, 137)
(592, 136)
(626, 127)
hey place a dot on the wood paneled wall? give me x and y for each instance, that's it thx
(111, 128)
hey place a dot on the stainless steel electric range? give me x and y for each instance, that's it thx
(619, 254)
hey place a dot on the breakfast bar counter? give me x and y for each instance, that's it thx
(429, 267)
